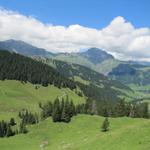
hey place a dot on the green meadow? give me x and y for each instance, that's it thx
(83, 133)
(15, 96)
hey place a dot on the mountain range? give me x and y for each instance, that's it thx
(95, 59)
(47, 93)
(23, 48)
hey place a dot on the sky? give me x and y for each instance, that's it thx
(120, 27)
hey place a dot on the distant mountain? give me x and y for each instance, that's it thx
(93, 58)
(93, 84)
(23, 48)
(145, 63)
(96, 59)
(96, 55)
(131, 73)
(61, 74)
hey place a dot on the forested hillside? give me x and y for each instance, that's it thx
(63, 93)
(16, 67)
(93, 84)
(131, 73)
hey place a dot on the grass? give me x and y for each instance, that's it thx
(141, 91)
(83, 133)
(15, 96)
(73, 58)
(79, 79)
(138, 92)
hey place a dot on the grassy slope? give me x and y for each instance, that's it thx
(14, 96)
(75, 59)
(83, 133)
(104, 67)
(141, 92)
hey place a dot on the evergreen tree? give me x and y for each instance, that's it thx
(145, 110)
(65, 117)
(28, 118)
(12, 122)
(5, 129)
(56, 115)
(105, 125)
(9, 131)
(72, 109)
(120, 108)
(22, 128)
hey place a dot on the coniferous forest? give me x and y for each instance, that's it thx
(62, 110)
(99, 101)
(16, 67)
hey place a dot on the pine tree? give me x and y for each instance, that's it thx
(12, 122)
(56, 115)
(9, 131)
(66, 113)
(120, 108)
(65, 116)
(22, 128)
(71, 109)
(105, 125)
(145, 110)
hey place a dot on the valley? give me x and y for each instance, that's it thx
(74, 75)
(99, 88)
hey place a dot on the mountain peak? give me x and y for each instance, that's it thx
(23, 48)
(96, 55)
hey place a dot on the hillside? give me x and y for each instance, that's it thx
(24, 48)
(27, 83)
(17, 67)
(95, 55)
(83, 133)
(93, 84)
(15, 96)
(93, 58)
(131, 73)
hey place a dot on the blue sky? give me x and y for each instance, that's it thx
(90, 13)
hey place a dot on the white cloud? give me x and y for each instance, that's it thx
(120, 38)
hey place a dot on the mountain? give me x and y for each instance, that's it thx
(131, 73)
(17, 67)
(32, 88)
(95, 55)
(144, 63)
(23, 48)
(126, 72)
(99, 87)
(94, 58)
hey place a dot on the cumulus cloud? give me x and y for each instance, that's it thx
(120, 37)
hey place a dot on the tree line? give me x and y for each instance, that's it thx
(17, 67)
(6, 128)
(60, 110)
(118, 109)
(26, 117)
